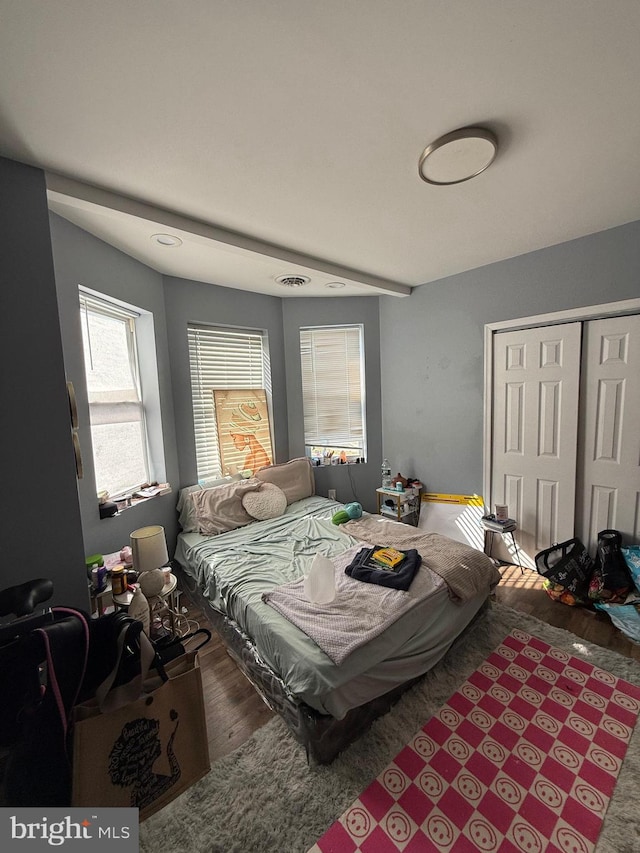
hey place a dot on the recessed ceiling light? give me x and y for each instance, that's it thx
(166, 239)
(458, 156)
(335, 285)
(293, 280)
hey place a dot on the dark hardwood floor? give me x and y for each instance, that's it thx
(524, 592)
(235, 711)
(233, 707)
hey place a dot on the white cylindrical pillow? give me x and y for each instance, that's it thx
(268, 502)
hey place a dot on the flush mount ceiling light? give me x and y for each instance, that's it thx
(335, 285)
(166, 240)
(458, 156)
(293, 280)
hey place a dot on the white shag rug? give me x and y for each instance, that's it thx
(265, 798)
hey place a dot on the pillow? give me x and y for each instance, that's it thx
(210, 482)
(295, 478)
(220, 509)
(185, 508)
(268, 502)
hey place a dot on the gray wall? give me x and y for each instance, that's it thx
(433, 346)
(81, 259)
(192, 301)
(41, 529)
(351, 482)
(425, 352)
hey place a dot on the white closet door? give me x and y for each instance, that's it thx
(536, 386)
(609, 468)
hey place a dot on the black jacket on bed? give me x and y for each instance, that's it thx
(360, 569)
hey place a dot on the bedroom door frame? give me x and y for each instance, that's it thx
(590, 312)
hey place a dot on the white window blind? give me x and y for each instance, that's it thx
(221, 358)
(332, 359)
(116, 410)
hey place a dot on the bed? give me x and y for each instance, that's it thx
(238, 573)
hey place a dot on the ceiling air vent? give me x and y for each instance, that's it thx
(293, 280)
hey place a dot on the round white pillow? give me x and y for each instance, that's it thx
(269, 501)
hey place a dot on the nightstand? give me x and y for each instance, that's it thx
(400, 506)
(169, 595)
(491, 527)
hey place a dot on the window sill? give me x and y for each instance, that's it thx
(130, 501)
(337, 463)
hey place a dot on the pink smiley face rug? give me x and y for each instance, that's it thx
(523, 758)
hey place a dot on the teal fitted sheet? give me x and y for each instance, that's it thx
(234, 569)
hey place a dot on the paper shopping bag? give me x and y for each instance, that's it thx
(145, 753)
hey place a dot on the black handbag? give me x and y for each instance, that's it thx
(169, 648)
(611, 579)
(567, 564)
(116, 652)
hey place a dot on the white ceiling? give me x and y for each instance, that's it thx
(283, 137)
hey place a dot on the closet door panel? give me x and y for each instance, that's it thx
(609, 469)
(547, 511)
(536, 384)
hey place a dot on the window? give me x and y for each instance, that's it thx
(333, 395)
(219, 359)
(116, 410)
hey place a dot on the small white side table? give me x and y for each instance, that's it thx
(405, 503)
(169, 594)
(490, 531)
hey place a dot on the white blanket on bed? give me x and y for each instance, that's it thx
(362, 611)
(359, 612)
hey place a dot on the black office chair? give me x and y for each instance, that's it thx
(42, 662)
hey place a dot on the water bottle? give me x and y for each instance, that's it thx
(386, 474)
(320, 582)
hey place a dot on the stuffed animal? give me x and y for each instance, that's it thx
(351, 510)
(354, 510)
(340, 517)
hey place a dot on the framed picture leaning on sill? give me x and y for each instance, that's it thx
(244, 430)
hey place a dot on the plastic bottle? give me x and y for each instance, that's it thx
(139, 609)
(99, 578)
(320, 582)
(386, 474)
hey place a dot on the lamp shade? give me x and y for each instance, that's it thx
(149, 548)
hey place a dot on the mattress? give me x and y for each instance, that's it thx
(234, 569)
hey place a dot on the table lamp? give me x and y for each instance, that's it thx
(149, 553)
(149, 548)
